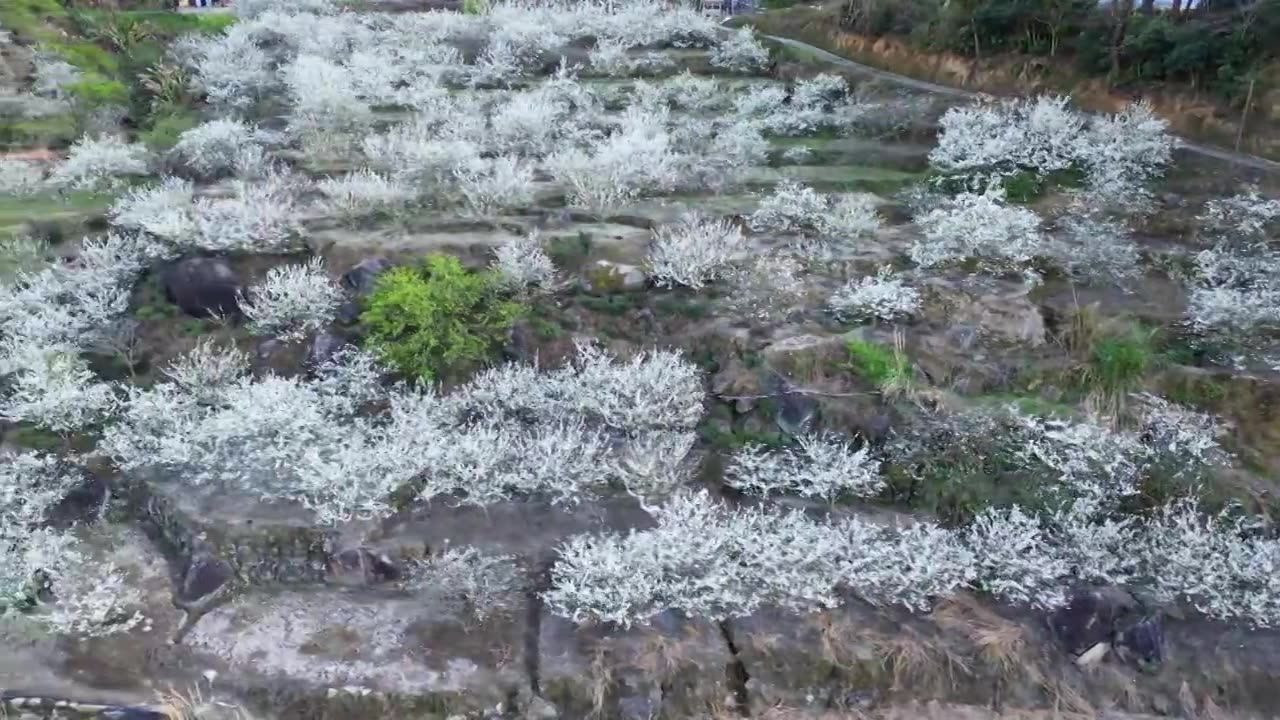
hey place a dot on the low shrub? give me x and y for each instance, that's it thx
(438, 319)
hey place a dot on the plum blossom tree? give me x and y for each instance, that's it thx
(741, 52)
(363, 192)
(522, 263)
(825, 468)
(292, 301)
(875, 297)
(694, 251)
(102, 162)
(45, 573)
(219, 146)
(978, 226)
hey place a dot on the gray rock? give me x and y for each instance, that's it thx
(86, 503)
(203, 287)
(361, 279)
(207, 576)
(605, 276)
(363, 566)
(1143, 641)
(1093, 615)
(324, 348)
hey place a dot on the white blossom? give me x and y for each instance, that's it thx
(824, 468)
(881, 296)
(1247, 215)
(164, 211)
(292, 301)
(486, 584)
(695, 251)
(50, 567)
(363, 191)
(522, 263)
(218, 146)
(741, 52)
(767, 288)
(54, 389)
(977, 226)
(490, 185)
(20, 177)
(97, 163)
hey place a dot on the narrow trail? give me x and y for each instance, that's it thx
(1250, 161)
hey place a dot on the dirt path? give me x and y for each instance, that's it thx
(1251, 161)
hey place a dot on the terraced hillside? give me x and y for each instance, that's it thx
(596, 361)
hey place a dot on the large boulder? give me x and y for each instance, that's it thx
(203, 287)
(1094, 615)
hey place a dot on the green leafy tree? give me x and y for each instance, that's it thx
(437, 319)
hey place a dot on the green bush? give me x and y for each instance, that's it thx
(164, 134)
(437, 319)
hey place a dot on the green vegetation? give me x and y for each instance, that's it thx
(569, 251)
(438, 319)
(889, 369)
(120, 55)
(1117, 367)
(167, 128)
(17, 211)
(1022, 187)
(52, 131)
(30, 17)
(1219, 45)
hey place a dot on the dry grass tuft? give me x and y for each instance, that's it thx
(600, 681)
(918, 663)
(192, 704)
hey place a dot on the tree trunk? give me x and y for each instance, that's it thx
(1244, 116)
(1121, 11)
(1177, 8)
(1148, 7)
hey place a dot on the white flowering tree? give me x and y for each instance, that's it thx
(882, 296)
(522, 263)
(978, 226)
(822, 226)
(363, 192)
(695, 251)
(292, 301)
(1117, 153)
(99, 163)
(46, 574)
(220, 146)
(823, 468)
(741, 52)
(512, 431)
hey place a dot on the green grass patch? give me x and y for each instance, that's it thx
(87, 56)
(160, 22)
(18, 210)
(885, 367)
(57, 131)
(31, 18)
